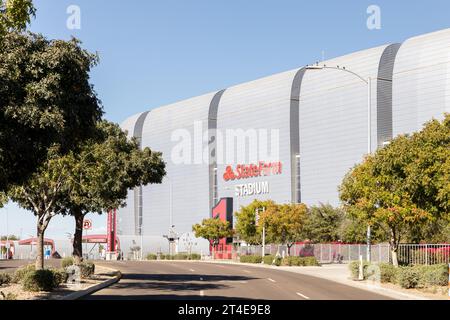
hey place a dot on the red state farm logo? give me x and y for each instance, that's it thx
(252, 171)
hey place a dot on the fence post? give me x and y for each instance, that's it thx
(426, 254)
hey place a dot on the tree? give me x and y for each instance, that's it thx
(378, 192)
(103, 171)
(323, 222)
(15, 15)
(213, 230)
(41, 195)
(284, 223)
(246, 226)
(45, 99)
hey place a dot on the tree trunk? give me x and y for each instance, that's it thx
(40, 248)
(394, 248)
(78, 237)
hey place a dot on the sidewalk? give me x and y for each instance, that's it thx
(338, 273)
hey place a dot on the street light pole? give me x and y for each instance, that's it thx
(368, 82)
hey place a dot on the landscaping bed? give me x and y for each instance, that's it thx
(50, 284)
(431, 280)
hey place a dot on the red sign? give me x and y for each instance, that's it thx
(252, 171)
(223, 211)
(87, 224)
(111, 232)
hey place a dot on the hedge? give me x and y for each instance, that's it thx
(250, 259)
(152, 256)
(419, 276)
(272, 260)
(300, 261)
(178, 256)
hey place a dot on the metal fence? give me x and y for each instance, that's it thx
(324, 253)
(425, 254)
(408, 254)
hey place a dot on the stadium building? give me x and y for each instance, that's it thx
(290, 137)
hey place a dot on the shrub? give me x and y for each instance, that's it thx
(66, 262)
(195, 256)
(38, 280)
(59, 276)
(408, 277)
(388, 273)
(8, 296)
(87, 269)
(181, 256)
(20, 273)
(152, 256)
(292, 261)
(311, 261)
(300, 261)
(354, 269)
(250, 259)
(435, 275)
(272, 260)
(5, 278)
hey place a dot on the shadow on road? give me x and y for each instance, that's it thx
(166, 287)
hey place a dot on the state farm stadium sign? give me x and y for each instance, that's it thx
(244, 172)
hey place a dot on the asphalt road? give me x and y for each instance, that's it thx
(170, 280)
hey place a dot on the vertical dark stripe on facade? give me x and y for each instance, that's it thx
(138, 203)
(384, 94)
(212, 146)
(295, 134)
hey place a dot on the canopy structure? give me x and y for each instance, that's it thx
(98, 238)
(33, 242)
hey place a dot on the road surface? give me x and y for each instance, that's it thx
(170, 280)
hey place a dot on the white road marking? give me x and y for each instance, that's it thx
(191, 270)
(303, 296)
(246, 271)
(202, 293)
(271, 280)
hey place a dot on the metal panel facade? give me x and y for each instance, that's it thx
(421, 81)
(411, 85)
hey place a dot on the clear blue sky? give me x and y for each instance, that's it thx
(157, 52)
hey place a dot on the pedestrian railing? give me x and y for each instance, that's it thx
(408, 254)
(423, 254)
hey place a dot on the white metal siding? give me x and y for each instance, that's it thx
(421, 81)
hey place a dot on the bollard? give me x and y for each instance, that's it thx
(361, 268)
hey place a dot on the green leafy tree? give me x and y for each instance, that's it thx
(323, 222)
(213, 230)
(41, 194)
(284, 223)
(15, 15)
(45, 99)
(246, 226)
(403, 185)
(103, 171)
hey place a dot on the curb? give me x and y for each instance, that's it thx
(94, 288)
